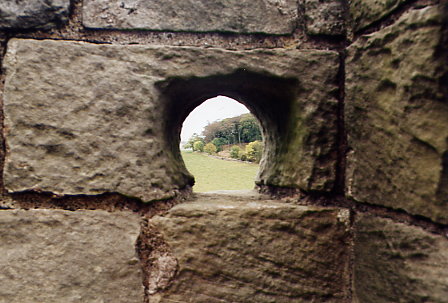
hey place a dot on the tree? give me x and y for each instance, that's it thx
(250, 129)
(195, 137)
(235, 130)
(219, 142)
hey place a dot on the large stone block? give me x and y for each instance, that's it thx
(325, 17)
(397, 113)
(63, 256)
(83, 118)
(395, 262)
(33, 13)
(254, 252)
(256, 16)
(366, 12)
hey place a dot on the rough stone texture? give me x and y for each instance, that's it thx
(395, 262)
(62, 256)
(84, 119)
(255, 16)
(366, 12)
(33, 13)
(325, 17)
(255, 251)
(397, 113)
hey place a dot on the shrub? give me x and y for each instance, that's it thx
(210, 148)
(254, 151)
(235, 152)
(243, 157)
(198, 146)
(219, 142)
(192, 140)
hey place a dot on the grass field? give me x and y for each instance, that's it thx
(216, 174)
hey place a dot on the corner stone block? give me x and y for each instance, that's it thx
(255, 252)
(366, 12)
(255, 16)
(55, 256)
(33, 13)
(83, 118)
(396, 113)
(395, 262)
(325, 17)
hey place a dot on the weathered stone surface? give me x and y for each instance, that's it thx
(260, 16)
(395, 262)
(325, 17)
(62, 256)
(366, 12)
(86, 119)
(397, 113)
(255, 251)
(33, 13)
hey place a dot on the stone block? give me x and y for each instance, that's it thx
(325, 17)
(396, 112)
(55, 256)
(395, 262)
(254, 252)
(33, 13)
(256, 16)
(366, 12)
(84, 118)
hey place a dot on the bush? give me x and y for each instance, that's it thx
(243, 157)
(192, 140)
(198, 146)
(210, 148)
(219, 142)
(254, 151)
(235, 152)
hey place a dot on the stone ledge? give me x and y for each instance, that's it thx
(255, 252)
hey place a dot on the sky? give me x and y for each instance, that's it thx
(214, 109)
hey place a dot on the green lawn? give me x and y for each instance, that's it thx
(215, 174)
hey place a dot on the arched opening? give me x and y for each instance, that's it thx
(221, 145)
(299, 149)
(270, 99)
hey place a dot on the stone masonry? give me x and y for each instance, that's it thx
(351, 200)
(279, 17)
(223, 259)
(64, 140)
(395, 262)
(33, 13)
(63, 256)
(399, 103)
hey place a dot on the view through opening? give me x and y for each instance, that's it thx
(221, 145)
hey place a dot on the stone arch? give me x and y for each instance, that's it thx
(292, 92)
(270, 98)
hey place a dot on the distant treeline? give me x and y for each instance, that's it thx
(236, 130)
(242, 131)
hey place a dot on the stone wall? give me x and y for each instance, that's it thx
(351, 201)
